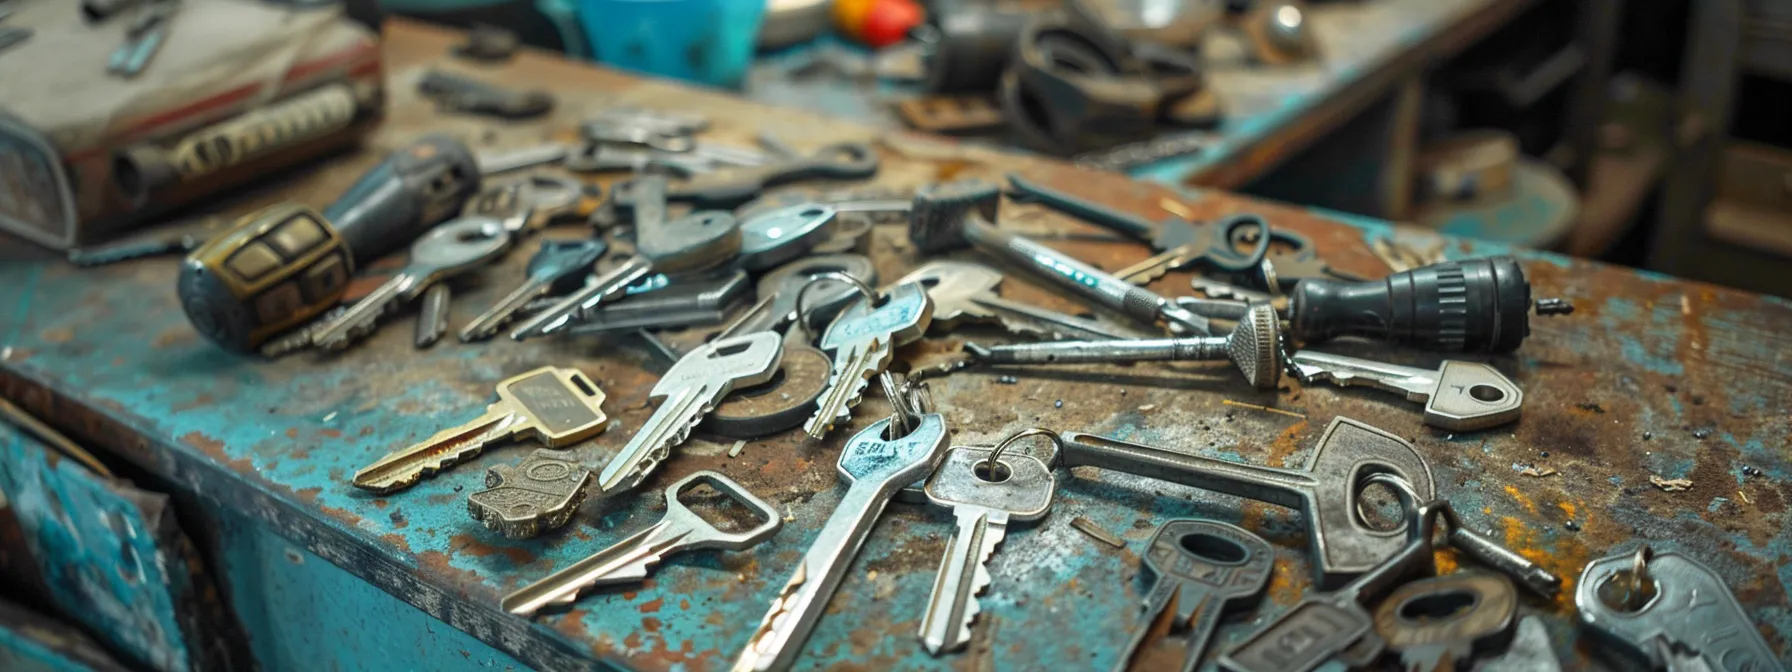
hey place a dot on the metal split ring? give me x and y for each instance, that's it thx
(996, 453)
(871, 295)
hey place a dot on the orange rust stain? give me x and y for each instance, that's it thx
(434, 561)
(397, 541)
(309, 495)
(715, 618)
(1447, 561)
(684, 605)
(650, 624)
(632, 641)
(652, 606)
(332, 433)
(629, 595)
(1565, 559)
(1567, 508)
(1285, 585)
(1286, 443)
(381, 503)
(57, 335)
(292, 432)
(174, 336)
(17, 354)
(1522, 499)
(202, 400)
(572, 624)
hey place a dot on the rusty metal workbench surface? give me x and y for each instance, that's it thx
(1651, 376)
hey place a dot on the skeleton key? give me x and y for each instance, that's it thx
(1670, 612)
(1205, 570)
(963, 291)
(1459, 396)
(556, 263)
(538, 495)
(628, 561)
(1426, 623)
(691, 389)
(1326, 490)
(556, 406)
(447, 250)
(984, 497)
(874, 468)
(863, 339)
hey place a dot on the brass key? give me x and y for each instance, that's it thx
(557, 406)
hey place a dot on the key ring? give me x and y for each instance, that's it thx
(871, 295)
(995, 454)
(1639, 571)
(1225, 256)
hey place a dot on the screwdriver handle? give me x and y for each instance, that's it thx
(417, 187)
(1473, 305)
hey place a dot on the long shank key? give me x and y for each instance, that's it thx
(554, 263)
(965, 292)
(984, 498)
(863, 339)
(1459, 396)
(445, 251)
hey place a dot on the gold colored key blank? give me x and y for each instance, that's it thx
(557, 406)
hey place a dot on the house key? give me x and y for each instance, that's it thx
(1459, 396)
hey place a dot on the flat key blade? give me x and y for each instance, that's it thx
(963, 575)
(404, 468)
(853, 367)
(626, 561)
(1417, 384)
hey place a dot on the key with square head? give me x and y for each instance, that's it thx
(863, 339)
(1254, 347)
(965, 292)
(690, 390)
(1204, 571)
(1327, 490)
(558, 264)
(554, 405)
(695, 242)
(874, 468)
(629, 560)
(1442, 624)
(1458, 396)
(984, 497)
(445, 251)
(1668, 611)
(530, 498)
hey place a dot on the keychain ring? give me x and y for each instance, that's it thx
(996, 453)
(864, 290)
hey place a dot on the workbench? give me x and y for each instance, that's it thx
(1651, 376)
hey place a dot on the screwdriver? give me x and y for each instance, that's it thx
(1472, 305)
(279, 267)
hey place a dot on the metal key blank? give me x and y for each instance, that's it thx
(874, 468)
(1670, 612)
(525, 500)
(686, 301)
(628, 560)
(772, 238)
(1426, 623)
(966, 292)
(1459, 396)
(1327, 490)
(553, 264)
(1205, 570)
(984, 497)
(863, 339)
(556, 406)
(690, 390)
(447, 250)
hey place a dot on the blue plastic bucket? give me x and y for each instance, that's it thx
(706, 41)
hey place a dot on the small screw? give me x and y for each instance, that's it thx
(1572, 526)
(1554, 307)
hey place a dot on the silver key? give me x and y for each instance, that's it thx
(445, 251)
(1254, 347)
(493, 162)
(772, 238)
(863, 339)
(874, 468)
(695, 242)
(984, 498)
(629, 560)
(690, 390)
(963, 291)
(1205, 570)
(686, 302)
(778, 291)
(1458, 396)
(1671, 612)
(553, 264)
(432, 315)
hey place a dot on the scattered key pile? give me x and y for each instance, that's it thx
(821, 329)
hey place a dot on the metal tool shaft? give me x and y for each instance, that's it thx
(1201, 348)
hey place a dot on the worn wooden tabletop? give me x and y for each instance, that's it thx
(1651, 376)
(1270, 112)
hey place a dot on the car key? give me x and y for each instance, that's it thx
(1326, 490)
(1667, 611)
(629, 560)
(863, 339)
(778, 290)
(557, 264)
(694, 242)
(874, 468)
(556, 406)
(447, 250)
(686, 302)
(1459, 396)
(772, 238)
(1425, 625)
(523, 501)
(985, 492)
(690, 390)
(1205, 570)
(959, 214)
(965, 292)
(840, 161)
(1334, 625)
(1254, 346)
(432, 315)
